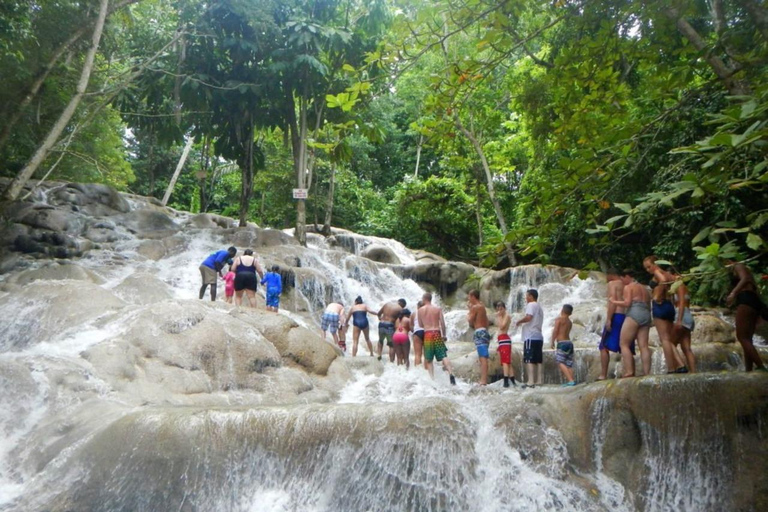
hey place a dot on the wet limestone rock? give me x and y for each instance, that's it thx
(293, 342)
(712, 329)
(56, 272)
(147, 223)
(48, 311)
(93, 199)
(143, 288)
(381, 254)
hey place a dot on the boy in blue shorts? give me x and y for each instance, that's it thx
(274, 285)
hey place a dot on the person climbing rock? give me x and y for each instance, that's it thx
(211, 268)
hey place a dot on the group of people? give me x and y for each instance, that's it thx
(631, 310)
(241, 278)
(396, 326)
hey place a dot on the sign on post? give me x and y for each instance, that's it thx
(300, 193)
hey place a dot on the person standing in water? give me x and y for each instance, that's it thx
(533, 338)
(750, 308)
(561, 334)
(358, 313)
(664, 313)
(400, 339)
(418, 336)
(684, 323)
(637, 324)
(210, 270)
(503, 320)
(610, 341)
(478, 320)
(229, 286)
(388, 314)
(432, 321)
(274, 284)
(333, 314)
(246, 267)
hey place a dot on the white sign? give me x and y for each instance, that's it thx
(300, 193)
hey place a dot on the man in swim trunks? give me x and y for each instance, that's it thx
(614, 320)
(432, 321)
(561, 334)
(388, 314)
(478, 320)
(503, 319)
(533, 338)
(332, 317)
(210, 269)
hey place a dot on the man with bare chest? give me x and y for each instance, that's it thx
(432, 321)
(478, 320)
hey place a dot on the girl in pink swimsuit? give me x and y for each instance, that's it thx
(400, 338)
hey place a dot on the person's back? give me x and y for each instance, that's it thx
(432, 321)
(429, 317)
(561, 338)
(274, 283)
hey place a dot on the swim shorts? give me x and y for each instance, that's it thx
(330, 322)
(434, 346)
(386, 330)
(482, 339)
(400, 338)
(611, 339)
(273, 300)
(533, 351)
(505, 349)
(564, 354)
(688, 321)
(209, 275)
(664, 310)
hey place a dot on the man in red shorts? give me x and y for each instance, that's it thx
(503, 319)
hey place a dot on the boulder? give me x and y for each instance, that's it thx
(711, 329)
(293, 342)
(446, 278)
(381, 254)
(194, 344)
(143, 288)
(57, 272)
(95, 199)
(152, 249)
(50, 218)
(49, 311)
(148, 223)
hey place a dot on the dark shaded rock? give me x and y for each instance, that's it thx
(446, 278)
(255, 238)
(27, 244)
(47, 217)
(92, 198)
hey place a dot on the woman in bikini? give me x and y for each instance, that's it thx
(664, 313)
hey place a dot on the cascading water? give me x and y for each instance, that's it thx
(101, 411)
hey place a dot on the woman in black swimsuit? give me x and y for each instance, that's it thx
(749, 309)
(359, 316)
(246, 267)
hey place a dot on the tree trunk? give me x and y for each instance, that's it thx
(14, 188)
(478, 214)
(418, 155)
(491, 192)
(43, 73)
(301, 175)
(329, 204)
(724, 72)
(176, 173)
(246, 188)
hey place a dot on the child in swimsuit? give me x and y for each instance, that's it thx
(400, 338)
(229, 286)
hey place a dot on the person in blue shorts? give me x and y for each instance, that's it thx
(613, 323)
(274, 284)
(211, 269)
(478, 320)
